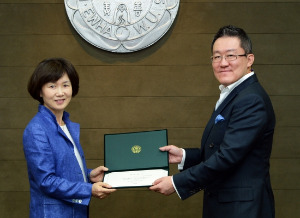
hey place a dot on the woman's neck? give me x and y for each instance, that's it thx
(60, 122)
(59, 119)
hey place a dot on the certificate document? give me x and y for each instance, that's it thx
(134, 159)
(136, 178)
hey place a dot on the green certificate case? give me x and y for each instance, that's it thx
(134, 159)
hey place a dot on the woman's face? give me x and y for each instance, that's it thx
(57, 95)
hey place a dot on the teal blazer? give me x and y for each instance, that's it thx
(57, 187)
(232, 165)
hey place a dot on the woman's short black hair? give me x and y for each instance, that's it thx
(51, 70)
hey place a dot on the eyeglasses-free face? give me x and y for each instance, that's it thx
(229, 61)
(57, 95)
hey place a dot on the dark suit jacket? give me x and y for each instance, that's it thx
(232, 165)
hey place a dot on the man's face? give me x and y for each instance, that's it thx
(228, 72)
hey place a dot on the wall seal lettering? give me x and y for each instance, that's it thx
(122, 26)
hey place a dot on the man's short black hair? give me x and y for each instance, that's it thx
(232, 31)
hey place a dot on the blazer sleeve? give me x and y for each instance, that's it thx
(192, 158)
(41, 165)
(245, 124)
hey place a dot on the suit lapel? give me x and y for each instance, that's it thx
(208, 128)
(222, 106)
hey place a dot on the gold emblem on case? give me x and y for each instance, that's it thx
(136, 149)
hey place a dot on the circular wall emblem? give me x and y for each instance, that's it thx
(122, 25)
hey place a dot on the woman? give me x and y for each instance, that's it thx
(60, 183)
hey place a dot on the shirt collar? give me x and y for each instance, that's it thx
(235, 84)
(46, 112)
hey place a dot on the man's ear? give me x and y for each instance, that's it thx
(250, 59)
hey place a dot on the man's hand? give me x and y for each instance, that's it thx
(101, 190)
(175, 153)
(163, 185)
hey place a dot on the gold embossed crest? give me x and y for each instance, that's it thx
(136, 149)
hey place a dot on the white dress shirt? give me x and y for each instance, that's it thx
(76, 152)
(225, 90)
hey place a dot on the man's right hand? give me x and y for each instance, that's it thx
(175, 153)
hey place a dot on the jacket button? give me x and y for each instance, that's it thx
(211, 145)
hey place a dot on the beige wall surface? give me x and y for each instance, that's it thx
(168, 85)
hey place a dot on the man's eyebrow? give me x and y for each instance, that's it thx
(229, 50)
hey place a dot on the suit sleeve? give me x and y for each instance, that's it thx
(246, 122)
(41, 165)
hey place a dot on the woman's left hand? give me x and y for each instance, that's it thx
(97, 174)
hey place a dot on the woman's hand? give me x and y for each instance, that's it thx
(97, 174)
(101, 190)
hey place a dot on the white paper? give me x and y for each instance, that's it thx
(134, 178)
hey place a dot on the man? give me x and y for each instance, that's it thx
(232, 165)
